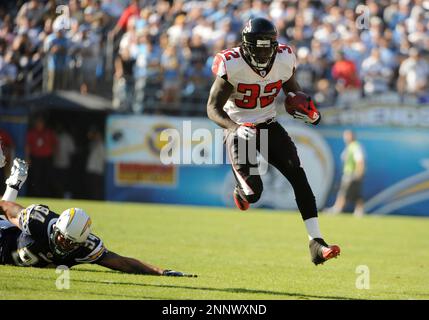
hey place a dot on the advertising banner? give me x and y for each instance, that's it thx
(182, 161)
(202, 173)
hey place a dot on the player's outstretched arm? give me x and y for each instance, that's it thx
(11, 210)
(130, 265)
(219, 94)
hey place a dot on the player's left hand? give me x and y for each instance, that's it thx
(307, 118)
(172, 273)
(247, 131)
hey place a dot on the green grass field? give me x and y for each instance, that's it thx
(253, 255)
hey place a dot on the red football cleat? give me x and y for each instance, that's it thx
(331, 252)
(320, 251)
(240, 202)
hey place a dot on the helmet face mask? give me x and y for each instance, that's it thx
(260, 50)
(259, 42)
(70, 231)
(62, 245)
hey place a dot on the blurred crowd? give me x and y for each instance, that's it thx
(156, 55)
(51, 45)
(63, 163)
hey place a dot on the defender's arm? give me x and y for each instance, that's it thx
(219, 94)
(114, 261)
(128, 265)
(11, 210)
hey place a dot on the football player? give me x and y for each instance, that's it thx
(38, 237)
(248, 79)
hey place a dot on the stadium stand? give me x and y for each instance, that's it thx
(155, 56)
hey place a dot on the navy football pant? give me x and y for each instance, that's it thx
(282, 154)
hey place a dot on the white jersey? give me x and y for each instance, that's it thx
(254, 93)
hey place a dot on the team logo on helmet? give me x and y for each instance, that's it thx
(248, 27)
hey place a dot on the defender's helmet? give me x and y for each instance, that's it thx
(71, 231)
(259, 42)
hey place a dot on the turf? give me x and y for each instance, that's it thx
(252, 255)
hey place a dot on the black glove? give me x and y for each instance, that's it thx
(172, 273)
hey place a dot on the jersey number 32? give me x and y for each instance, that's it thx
(252, 93)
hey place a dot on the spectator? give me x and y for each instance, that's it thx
(305, 72)
(123, 81)
(113, 8)
(199, 51)
(148, 77)
(176, 31)
(62, 162)
(345, 74)
(23, 50)
(8, 147)
(55, 47)
(205, 29)
(419, 37)
(95, 165)
(196, 29)
(198, 82)
(75, 11)
(41, 144)
(47, 30)
(352, 179)
(376, 75)
(386, 54)
(325, 94)
(31, 11)
(172, 77)
(132, 10)
(88, 47)
(129, 38)
(8, 74)
(413, 74)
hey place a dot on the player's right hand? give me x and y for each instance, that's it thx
(172, 273)
(307, 117)
(247, 131)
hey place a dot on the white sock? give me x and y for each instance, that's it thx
(313, 229)
(10, 194)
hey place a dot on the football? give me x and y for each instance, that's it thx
(298, 101)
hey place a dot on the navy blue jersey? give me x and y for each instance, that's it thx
(34, 246)
(9, 234)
